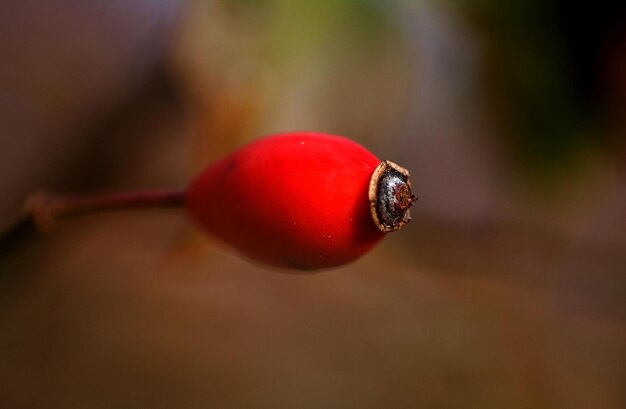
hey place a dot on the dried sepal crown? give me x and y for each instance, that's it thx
(391, 196)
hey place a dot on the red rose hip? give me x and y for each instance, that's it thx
(301, 200)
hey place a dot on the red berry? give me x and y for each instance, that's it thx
(300, 200)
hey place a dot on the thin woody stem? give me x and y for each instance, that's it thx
(43, 210)
(46, 209)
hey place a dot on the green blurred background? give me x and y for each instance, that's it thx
(506, 291)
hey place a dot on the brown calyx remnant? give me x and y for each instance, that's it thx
(404, 197)
(390, 196)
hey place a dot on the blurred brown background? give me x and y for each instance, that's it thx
(506, 291)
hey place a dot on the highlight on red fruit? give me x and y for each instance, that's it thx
(301, 200)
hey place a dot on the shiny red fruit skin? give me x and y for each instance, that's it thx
(295, 200)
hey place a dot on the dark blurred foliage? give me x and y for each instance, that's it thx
(554, 75)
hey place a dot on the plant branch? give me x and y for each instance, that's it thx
(42, 211)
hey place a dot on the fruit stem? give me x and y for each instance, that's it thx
(43, 210)
(46, 209)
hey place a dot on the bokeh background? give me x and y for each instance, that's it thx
(506, 291)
